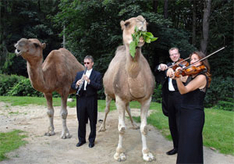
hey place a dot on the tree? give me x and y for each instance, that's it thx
(28, 19)
(205, 26)
(165, 9)
(194, 23)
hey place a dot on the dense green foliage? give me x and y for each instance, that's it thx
(93, 28)
(24, 88)
(7, 82)
(11, 141)
(221, 93)
(14, 85)
(29, 19)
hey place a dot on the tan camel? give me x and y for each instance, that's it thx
(130, 79)
(56, 73)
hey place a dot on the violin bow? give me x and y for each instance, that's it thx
(207, 56)
(180, 61)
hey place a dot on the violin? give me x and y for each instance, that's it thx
(180, 63)
(190, 70)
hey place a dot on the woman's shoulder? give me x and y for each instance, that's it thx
(202, 79)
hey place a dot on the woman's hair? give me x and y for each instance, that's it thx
(205, 63)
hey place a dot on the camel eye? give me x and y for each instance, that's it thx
(36, 45)
(127, 24)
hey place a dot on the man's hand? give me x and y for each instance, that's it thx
(170, 73)
(163, 67)
(79, 82)
(85, 77)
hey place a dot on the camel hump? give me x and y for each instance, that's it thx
(62, 53)
(65, 51)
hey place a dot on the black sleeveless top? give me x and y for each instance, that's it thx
(194, 99)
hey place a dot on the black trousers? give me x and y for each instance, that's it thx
(174, 107)
(86, 108)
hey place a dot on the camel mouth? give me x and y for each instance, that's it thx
(18, 52)
(141, 39)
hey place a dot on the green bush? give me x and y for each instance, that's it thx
(226, 105)
(220, 93)
(24, 88)
(157, 95)
(7, 82)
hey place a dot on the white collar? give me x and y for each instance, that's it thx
(89, 70)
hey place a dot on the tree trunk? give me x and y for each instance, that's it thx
(194, 23)
(64, 37)
(155, 6)
(165, 9)
(205, 26)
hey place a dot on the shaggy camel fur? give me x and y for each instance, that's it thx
(129, 79)
(56, 73)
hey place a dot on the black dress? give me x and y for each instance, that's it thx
(192, 118)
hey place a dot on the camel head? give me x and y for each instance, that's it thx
(29, 49)
(128, 27)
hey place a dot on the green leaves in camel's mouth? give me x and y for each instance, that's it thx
(147, 36)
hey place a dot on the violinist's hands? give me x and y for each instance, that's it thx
(177, 72)
(163, 67)
(170, 73)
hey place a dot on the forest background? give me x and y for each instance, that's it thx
(92, 27)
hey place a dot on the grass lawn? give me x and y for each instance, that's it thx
(218, 131)
(11, 141)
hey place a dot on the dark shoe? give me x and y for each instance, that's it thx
(80, 144)
(172, 152)
(91, 144)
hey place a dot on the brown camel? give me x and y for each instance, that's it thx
(130, 79)
(56, 73)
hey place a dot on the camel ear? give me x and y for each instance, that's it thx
(140, 17)
(122, 25)
(43, 45)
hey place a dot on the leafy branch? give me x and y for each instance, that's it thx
(147, 36)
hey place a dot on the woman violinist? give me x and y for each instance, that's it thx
(192, 118)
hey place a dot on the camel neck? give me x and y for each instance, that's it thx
(36, 76)
(133, 64)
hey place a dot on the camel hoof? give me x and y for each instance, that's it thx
(122, 130)
(135, 127)
(120, 157)
(65, 136)
(49, 133)
(102, 129)
(148, 157)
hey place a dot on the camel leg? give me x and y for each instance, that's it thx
(65, 133)
(107, 110)
(121, 107)
(50, 114)
(134, 125)
(147, 155)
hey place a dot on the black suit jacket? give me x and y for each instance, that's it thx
(162, 78)
(93, 87)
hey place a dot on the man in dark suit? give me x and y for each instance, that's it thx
(171, 98)
(86, 101)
